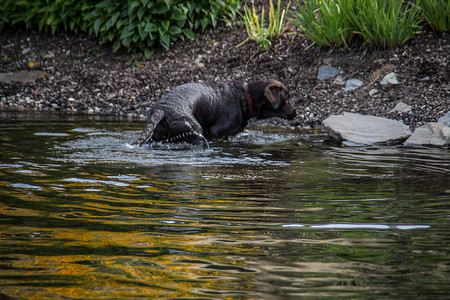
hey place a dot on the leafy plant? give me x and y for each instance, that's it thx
(134, 24)
(256, 27)
(437, 13)
(324, 21)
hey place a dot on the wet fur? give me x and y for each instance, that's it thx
(197, 112)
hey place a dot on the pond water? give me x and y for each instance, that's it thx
(269, 214)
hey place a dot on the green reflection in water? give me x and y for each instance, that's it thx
(261, 216)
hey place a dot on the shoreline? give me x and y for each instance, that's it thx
(80, 76)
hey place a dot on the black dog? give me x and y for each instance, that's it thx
(194, 112)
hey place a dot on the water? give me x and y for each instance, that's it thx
(266, 215)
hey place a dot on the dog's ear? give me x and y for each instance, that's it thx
(275, 92)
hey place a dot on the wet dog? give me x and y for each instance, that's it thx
(197, 112)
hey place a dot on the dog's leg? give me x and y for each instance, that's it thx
(155, 117)
(188, 130)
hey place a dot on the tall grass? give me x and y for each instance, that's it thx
(324, 22)
(381, 23)
(385, 24)
(437, 13)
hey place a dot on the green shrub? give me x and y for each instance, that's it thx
(140, 24)
(47, 15)
(134, 24)
(437, 13)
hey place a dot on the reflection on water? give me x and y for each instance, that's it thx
(270, 215)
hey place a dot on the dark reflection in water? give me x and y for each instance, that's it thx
(270, 215)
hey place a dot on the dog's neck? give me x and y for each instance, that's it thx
(249, 101)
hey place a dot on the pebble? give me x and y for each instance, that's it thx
(352, 84)
(25, 51)
(401, 107)
(374, 93)
(327, 72)
(389, 80)
(339, 81)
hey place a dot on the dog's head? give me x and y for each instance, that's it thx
(273, 100)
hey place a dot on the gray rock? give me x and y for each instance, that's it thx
(327, 72)
(445, 119)
(340, 81)
(21, 76)
(362, 129)
(389, 80)
(353, 84)
(374, 93)
(430, 134)
(402, 108)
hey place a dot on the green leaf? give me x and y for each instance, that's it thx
(50, 19)
(134, 4)
(148, 52)
(165, 24)
(103, 4)
(160, 9)
(142, 32)
(114, 17)
(164, 40)
(141, 12)
(204, 23)
(150, 27)
(189, 33)
(178, 14)
(116, 45)
(97, 25)
(174, 30)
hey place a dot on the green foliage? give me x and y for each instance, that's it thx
(47, 15)
(379, 22)
(324, 22)
(256, 28)
(134, 24)
(383, 23)
(437, 13)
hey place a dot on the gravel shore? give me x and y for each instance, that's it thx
(72, 73)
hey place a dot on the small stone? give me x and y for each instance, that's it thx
(327, 72)
(377, 74)
(339, 81)
(374, 93)
(25, 51)
(389, 80)
(445, 119)
(49, 55)
(352, 84)
(401, 107)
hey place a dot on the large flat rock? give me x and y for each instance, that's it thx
(363, 129)
(21, 76)
(430, 134)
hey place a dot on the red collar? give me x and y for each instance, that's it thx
(249, 100)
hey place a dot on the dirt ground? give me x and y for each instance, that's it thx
(81, 76)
